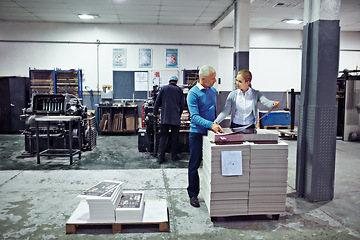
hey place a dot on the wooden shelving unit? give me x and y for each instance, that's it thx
(56, 81)
(67, 81)
(190, 77)
(42, 81)
(116, 119)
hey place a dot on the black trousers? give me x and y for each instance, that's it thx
(234, 125)
(164, 131)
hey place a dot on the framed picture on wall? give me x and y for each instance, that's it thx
(145, 57)
(119, 57)
(172, 57)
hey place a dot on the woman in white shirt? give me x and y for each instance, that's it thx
(243, 103)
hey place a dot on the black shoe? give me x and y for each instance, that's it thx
(175, 158)
(194, 201)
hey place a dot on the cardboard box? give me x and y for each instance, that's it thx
(130, 123)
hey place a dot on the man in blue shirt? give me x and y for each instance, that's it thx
(201, 101)
(171, 100)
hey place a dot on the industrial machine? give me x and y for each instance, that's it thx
(55, 134)
(348, 101)
(148, 136)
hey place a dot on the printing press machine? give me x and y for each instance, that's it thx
(148, 136)
(53, 121)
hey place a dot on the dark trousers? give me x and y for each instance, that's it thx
(164, 131)
(195, 146)
(234, 125)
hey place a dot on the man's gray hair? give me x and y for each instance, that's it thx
(205, 71)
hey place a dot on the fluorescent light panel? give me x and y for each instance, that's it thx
(87, 16)
(292, 21)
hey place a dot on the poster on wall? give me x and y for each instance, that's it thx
(119, 57)
(141, 81)
(145, 57)
(172, 57)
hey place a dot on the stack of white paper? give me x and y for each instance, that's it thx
(228, 136)
(268, 178)
(102, 200)
(130, 208)
(244, 179)
(225, 178)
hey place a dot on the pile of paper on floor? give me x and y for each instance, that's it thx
(131, 207)
(103, 199)
(225, 178)
(268, 178)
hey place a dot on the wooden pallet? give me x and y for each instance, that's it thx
(288, 132)
(155, 213)
(116, 227)
(277, 127)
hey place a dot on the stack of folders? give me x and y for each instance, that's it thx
(131, 207)
(268, 178)
(225, 178)
(103, 199)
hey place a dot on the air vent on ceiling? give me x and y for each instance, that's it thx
(286, 5)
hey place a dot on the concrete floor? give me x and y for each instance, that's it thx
(36, 200)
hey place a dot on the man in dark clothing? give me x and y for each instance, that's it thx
(171, 100)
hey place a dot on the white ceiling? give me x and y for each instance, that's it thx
(176, 12)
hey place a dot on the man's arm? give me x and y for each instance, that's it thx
(158, 103)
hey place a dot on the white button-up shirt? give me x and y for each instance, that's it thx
(244, 107)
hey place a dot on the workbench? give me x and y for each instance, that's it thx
(66, 152)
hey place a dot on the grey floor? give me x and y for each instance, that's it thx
(37, 200)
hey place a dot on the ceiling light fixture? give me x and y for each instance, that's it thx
(292, 21)
(87, 16)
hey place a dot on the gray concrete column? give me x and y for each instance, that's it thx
(241, 34)
(316, 144)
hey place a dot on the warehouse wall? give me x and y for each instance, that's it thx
(48, 46)
(275, 59)
(275, 55)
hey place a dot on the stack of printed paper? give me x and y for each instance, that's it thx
(131, 207)
(244, 178)
(103, 199)
(243, 135)
(268, 178)
(225, 178)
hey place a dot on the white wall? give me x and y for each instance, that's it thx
(275, 55)
(274, 60)
(349, 51)
(69, 46)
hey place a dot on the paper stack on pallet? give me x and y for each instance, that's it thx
(231, 135)
(268, 178)
(130, 208)
(103, 199)
(225, 195)
(259, 189)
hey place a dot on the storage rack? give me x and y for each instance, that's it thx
(190, 77)
(117, 119)
(42, 81)
(56, 81)
(69, 81)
